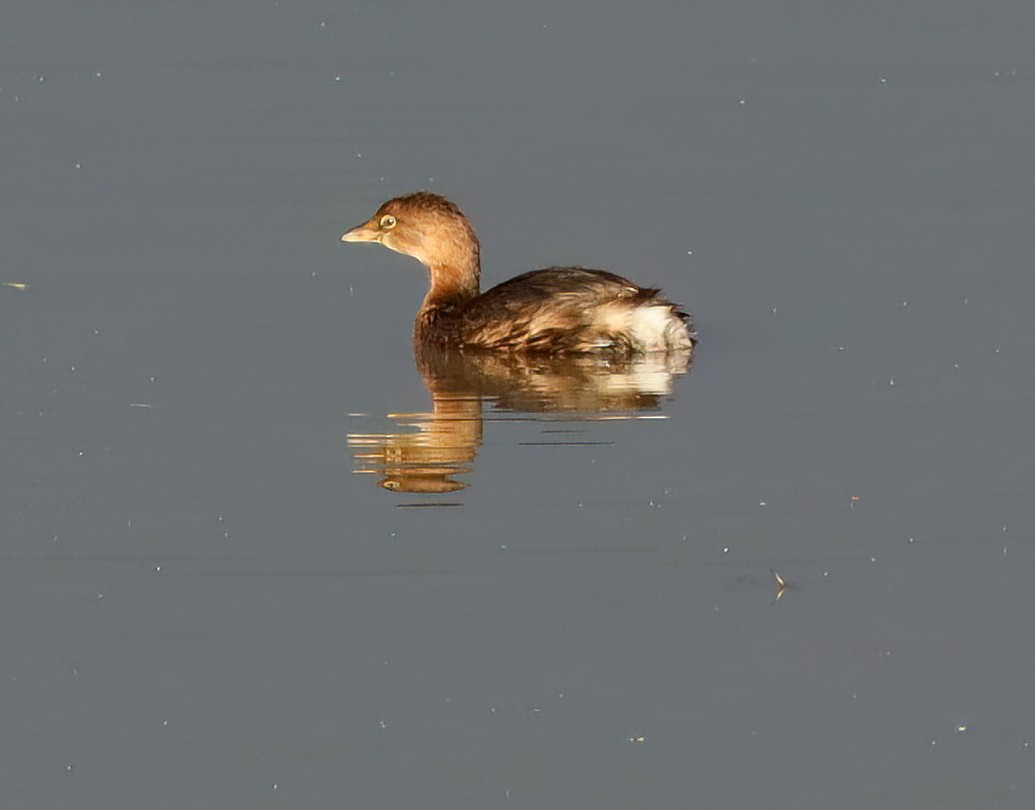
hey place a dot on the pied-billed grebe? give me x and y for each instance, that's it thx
(559, 310)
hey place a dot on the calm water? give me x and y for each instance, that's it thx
(561, 593)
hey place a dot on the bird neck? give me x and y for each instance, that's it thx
(455, 281)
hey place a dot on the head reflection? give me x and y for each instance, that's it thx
(435, 447)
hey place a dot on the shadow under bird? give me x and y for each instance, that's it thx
(559, 310)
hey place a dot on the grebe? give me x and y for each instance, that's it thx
(560, 310)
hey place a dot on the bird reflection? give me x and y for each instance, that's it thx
(436, 447)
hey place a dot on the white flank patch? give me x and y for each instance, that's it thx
(657, 329)
(647, 327)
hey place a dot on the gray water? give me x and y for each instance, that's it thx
(208, 603)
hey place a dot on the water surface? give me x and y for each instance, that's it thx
(207, 607)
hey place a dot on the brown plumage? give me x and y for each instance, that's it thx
(559, 310)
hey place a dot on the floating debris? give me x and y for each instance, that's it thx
(20, 286)
(782, 585)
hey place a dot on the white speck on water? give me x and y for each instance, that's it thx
(775, 310)
(151, 379)
(891, 381)
(689, 253)
(275, 786)
(905, 303)
(337, 78)
(956, 365)
(323, 24)
(359, 155)
(960, 728)
(71, 368)
(69, 768)
(503, 547)
(393, 534)
(97, 74)
(100, 594)
(826, 573)
(41, 78)
(384, 724)
(883, 79)
(165, 723)
(78, 164)
(966, 301)
(725, 549)
(910, 540)
(158, 569)
(742, 102)
(762, 503)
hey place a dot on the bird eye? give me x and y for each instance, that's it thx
(387, 222)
